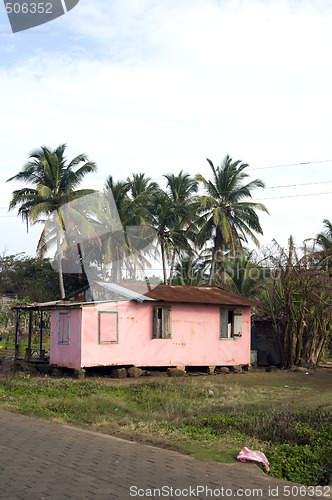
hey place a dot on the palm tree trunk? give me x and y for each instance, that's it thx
(162, 247)
(172, 266)
(213, 266)
(59, 259)
(82, 274)
(62, 287)
(216, 247)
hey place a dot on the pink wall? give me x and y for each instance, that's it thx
(68, 355)
(195, 338)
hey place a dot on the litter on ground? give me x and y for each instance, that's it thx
(254, 455)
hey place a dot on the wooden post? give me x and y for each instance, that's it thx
(30, 335)
(41, 331)
(17, 315)
(41, 351)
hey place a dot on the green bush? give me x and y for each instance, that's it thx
(296, 443)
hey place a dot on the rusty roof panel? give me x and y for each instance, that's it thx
(198, 295)
(160, 293)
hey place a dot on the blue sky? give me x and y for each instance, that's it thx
(159, 86)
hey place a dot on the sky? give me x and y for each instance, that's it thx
(155, 87)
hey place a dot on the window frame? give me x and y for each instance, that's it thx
(161, 327)
(230, 323)
(63, 342)
(103, 342)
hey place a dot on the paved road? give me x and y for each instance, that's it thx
(43, 460)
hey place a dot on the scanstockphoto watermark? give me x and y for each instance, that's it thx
(90, 240)
(255, 273)
(200, 491)
(236, 272)
(284, 491)
(26, 14)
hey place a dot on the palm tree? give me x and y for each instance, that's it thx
(190, 270)
(227, 218)
(324, 239)
(53, 184)
(245, 276)
(164, 220)
(116, 239)
(141, 186)
(181, 189)
(120, 220)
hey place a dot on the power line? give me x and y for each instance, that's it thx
(252, 199)
(266, 187)
(269, 167)
(249, 168)
(290, 196)
(259, 199)
(290, 164)
(296, 185)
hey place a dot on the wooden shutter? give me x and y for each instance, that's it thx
(63, 328)
(237, 323)
(166, 323)
(223, 323)
(154, 322)
(161, 323)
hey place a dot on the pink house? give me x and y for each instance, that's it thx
(167, 326)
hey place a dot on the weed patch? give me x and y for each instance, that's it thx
(297, 444)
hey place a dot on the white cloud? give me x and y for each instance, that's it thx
(159, 86)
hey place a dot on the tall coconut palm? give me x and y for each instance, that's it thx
(120, 221)
(140, 185)
(227, 218)
(164, 220)
(181, 189)
(116, 239)
(52, 184)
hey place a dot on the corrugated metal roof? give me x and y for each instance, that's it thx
(125, 292)
(193, 294)
(198, 295)
(160, 293)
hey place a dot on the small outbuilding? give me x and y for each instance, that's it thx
(112, 325)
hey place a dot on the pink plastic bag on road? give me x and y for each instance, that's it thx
(254, 455)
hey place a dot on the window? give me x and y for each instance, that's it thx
(230, 324)
(161, 323)
(63, 328)
(108, 327)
